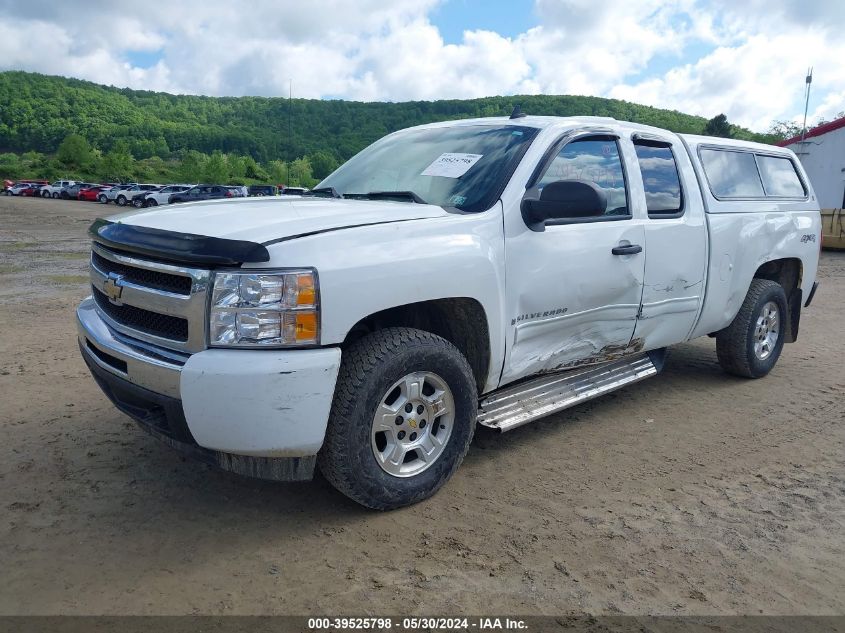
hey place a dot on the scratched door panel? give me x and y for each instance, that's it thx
(676, 247)
(571, 301)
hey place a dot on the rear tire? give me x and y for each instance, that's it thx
(55, 196)
(378, 453)
(751, 345)
(121, 201)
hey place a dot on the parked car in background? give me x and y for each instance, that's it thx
(292, 191)
(91, 194)
(125, 196)
(155, 198)
(109, 195)
(71, 192)
(15, 188)
(263, 190)
(54, 190)
(203, 192)
(31, 190)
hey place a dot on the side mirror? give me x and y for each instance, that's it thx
(562, 200)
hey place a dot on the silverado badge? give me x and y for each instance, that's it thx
(113, 287)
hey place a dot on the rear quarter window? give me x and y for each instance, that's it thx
(731, 174)
(779, 177)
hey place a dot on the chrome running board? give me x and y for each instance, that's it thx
(515, 405)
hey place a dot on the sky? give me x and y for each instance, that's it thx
(745, 58)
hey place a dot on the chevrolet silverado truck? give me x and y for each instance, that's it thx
(488, 271)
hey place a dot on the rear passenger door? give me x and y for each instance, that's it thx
(675, 242)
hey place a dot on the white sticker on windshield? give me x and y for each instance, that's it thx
(450, 165)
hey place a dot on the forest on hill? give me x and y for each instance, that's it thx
(55, 126)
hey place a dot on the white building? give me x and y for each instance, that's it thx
(823, 155)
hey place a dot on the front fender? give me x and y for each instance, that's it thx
(366, 269)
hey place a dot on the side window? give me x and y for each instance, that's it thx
(731, 174)
(595, 160)
(779, 177)
(660, 179)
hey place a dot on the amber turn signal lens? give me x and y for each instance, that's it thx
(306, 327)
(306, 292)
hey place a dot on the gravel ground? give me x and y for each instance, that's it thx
(691, 493)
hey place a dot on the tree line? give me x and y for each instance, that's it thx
(55, 126)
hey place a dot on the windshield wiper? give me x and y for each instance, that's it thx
(388, 195)
(321, 191)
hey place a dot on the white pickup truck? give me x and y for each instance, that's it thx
(54, 189)
(488, 271)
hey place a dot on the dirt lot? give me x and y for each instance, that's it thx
(692, 493)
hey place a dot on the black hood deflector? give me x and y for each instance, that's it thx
(183, 248)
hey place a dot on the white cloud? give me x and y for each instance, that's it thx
(752, 54)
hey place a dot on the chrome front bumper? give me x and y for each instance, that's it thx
(151, 368)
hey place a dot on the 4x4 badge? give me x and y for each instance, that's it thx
(113, 287)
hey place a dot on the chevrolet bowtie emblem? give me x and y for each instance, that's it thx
(113, 287)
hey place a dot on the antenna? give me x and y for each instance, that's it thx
(809, 82)
(517, 112)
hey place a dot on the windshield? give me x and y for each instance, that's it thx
(465, 167)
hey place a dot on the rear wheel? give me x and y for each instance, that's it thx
(55, 195)
(121, 201)
(402, 418)
(751, 345)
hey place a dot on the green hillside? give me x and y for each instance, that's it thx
(161, 131)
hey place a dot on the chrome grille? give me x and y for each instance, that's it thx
(150, 278)
(161, 325)
(163, 304)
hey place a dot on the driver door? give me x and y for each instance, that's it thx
(571, 299)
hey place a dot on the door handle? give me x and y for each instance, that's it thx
(629, 249)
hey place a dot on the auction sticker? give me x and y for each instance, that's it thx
(450, 165)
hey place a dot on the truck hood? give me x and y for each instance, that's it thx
(268, 220)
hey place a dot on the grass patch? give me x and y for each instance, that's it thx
(68, 279)
(6, 269)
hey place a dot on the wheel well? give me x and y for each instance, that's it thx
(788, 273)
(461, 321)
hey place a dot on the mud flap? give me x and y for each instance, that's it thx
(658, 358)
(795, 302)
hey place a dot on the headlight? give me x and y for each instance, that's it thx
(264, 309)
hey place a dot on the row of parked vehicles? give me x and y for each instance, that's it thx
(140, 194)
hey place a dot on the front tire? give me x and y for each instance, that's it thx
(751, 345)
(55, 195)
(376, 451)
(121, 201)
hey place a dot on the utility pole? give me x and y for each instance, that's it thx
(290, 114)
(809, 82)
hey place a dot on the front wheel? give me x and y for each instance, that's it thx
(121, 201)
(402, 418)
(152, 202)
(751, 345)
(55, 196)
